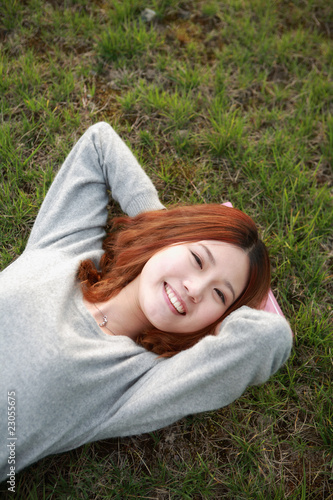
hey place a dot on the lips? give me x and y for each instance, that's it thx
(175, 301)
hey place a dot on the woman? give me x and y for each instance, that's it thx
(84, 359)
(149, 264)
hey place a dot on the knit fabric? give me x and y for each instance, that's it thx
(74, 384)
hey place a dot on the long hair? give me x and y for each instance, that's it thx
(133, 241)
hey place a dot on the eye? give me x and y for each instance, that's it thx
(220, 294)
(197, 258)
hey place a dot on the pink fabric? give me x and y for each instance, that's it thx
(270, 303)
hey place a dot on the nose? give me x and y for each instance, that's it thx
(194, 290)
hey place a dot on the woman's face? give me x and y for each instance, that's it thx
(186, 287)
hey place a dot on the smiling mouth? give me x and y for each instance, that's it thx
(174, 300)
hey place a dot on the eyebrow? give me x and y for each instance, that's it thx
(212, 260)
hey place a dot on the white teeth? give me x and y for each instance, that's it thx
(173, 299)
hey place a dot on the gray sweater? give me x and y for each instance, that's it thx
(73, 384)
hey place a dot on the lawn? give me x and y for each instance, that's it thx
(219, 101)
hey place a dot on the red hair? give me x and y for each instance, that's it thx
(133, 241)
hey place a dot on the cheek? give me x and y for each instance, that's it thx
(210, 314)
(216, 315)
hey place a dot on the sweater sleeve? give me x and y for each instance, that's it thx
(74, 212)
(250, 347)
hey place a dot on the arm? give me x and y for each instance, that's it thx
(250, 347)
(74, 211)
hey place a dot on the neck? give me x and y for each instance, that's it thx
(123, 313)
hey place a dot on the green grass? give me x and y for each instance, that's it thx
(219, 101)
